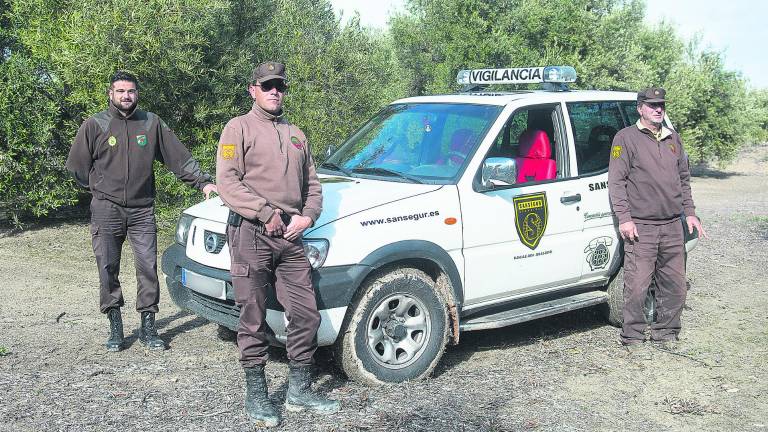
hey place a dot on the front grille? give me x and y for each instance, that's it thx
(220, 239)
(224, 307)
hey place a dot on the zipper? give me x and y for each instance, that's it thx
(282, 150)
(127, 162)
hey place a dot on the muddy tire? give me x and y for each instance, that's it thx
(613, 309)
(396, 330)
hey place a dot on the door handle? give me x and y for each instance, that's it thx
(567, 199)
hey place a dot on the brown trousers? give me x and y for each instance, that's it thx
(659, 252)
(259, 263)
(110, 223)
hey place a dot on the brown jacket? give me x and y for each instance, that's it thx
(113, 156)
(264, 163)
(648, 179)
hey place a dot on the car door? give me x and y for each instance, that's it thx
(522, 238)
(592, 125)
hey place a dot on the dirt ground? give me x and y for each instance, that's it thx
(564, 373)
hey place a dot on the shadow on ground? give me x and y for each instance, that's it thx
(705, 171)
(520, 335)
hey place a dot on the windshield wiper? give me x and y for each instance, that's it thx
(332, 166)
(386, 172)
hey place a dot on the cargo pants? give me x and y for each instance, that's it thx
(659, 252)
(259, 264)
(110, 224)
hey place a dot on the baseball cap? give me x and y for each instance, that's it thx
(267, 71)
(652, 94)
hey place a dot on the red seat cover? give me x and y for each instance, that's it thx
(533, 162)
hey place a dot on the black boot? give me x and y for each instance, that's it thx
(148, 332)
(257, 404)
(115, 341)
(300, 395)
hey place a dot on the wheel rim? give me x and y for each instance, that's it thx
(398, 331)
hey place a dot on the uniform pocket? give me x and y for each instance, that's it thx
(629, 246)
(239, 269)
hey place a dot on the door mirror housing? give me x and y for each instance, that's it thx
(499, 171)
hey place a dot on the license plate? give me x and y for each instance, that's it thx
(204, 284)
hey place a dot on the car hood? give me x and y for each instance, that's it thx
(342, 196)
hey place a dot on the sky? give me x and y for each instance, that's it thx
(738, 28)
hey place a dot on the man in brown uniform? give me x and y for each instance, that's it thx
(113, 156)
(267, 178)
(649, 188)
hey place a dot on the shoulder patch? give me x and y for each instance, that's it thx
(102, 119)
(616, 151)
(228, 151)
(151, 118)
(297, 142)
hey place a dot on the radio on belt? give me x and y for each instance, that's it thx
(526, 75)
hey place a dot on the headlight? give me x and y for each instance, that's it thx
(182, 228)
(316, 251)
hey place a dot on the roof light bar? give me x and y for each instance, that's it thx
(529, 75)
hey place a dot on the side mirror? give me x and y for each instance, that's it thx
(499, 171)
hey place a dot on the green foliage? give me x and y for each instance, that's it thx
(757, 112)
(709, 107)
(4, 351)
(33, 147)
(193, 59)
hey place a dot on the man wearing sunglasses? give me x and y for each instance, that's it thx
(649, 188)
(266, 176)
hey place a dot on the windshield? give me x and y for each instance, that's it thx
(418, 143)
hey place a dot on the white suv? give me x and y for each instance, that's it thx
(443, 214)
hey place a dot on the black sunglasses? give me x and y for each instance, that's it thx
(266, 86)
(655, 105)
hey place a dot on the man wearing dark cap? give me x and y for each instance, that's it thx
(267, 178)
(112, 156)
(649, 188)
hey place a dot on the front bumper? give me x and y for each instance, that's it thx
(334, 288)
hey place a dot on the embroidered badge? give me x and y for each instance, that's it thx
(296, 143)
(616, 151)
(227, 151)
(112, 141)
(141, 140)
(271, 67)
(673, 148)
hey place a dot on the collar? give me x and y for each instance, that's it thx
(664, 132)
(116, 112)
(260, 113)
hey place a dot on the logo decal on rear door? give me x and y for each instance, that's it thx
(598, 253)
(531, 217)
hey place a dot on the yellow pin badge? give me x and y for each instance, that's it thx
(616, 151)
(112, 141)
(228, 151)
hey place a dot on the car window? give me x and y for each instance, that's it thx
(531, 138)
(427, 142)
(594, 125)
(630, 111)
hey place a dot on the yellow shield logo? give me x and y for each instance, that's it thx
(531, 218)
(616, 151)
(227, 151)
